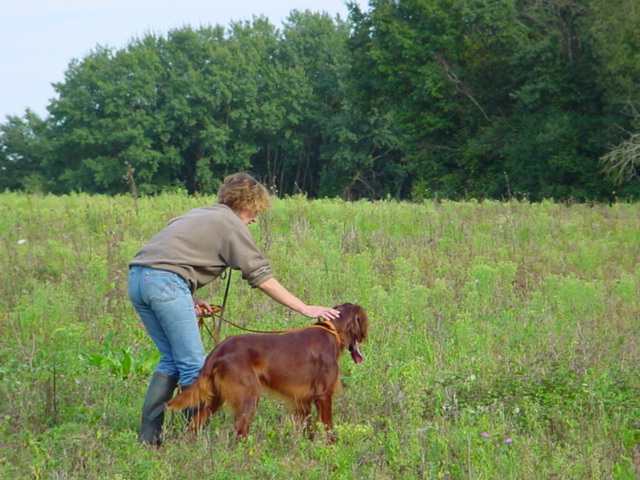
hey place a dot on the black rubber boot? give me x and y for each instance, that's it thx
(160, 391)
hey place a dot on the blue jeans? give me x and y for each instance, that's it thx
(165, 305)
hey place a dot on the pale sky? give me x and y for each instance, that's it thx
(38, 38)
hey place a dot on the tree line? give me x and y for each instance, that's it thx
(411, 99)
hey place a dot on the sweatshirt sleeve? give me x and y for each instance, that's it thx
(243, 255)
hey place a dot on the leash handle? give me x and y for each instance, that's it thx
(216, 336)
(217, 311)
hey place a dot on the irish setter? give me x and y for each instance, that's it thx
(300, 365)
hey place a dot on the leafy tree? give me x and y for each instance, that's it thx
(435, 65)
(280, 92)
(344, 150)
(187, 109)
(22, 151)
(614, 32)
(562, 104)
(171, 108)
(493, 97)
(200, 102)
(106, 118)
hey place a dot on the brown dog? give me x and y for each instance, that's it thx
(301, 365)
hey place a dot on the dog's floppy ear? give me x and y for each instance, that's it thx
(353, 321)
(360, 323)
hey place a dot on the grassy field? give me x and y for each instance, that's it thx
(504, 341)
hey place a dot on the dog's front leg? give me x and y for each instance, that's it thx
(325, 415)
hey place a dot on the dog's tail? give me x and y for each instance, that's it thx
(198, 393)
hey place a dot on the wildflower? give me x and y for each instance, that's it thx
(509, 440)
(485, 434)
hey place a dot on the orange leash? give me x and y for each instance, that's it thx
(326, 324)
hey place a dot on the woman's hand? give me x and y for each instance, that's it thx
(325, 313)
(202, 308)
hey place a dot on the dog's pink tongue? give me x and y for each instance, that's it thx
(355, 353)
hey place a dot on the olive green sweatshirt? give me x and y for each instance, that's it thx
(201, 244)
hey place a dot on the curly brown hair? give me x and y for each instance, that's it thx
(241, 191)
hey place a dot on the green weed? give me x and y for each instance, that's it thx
(120, 361)
(503, 341)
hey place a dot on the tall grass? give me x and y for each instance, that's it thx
(504, 341)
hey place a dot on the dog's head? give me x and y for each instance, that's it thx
(352, 326)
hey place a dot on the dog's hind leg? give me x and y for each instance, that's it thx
(203, 413)
(245, 409)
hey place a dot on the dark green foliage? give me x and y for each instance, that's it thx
(410, 99)
(500, 98)
(22, 151)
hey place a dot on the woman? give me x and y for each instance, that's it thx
(192, 251)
